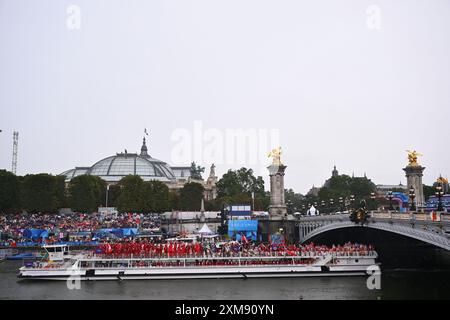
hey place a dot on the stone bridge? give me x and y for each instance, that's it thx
(413, 225)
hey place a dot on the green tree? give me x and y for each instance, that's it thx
(155, 196)
(61, 192)
(428, 191)
(191, 196)
(174, 201)
(296, 199)
(42, 193)
(344, 186)
(86, 193)
(361, 187)
(238, 187)
(131, 198)
(113, 195)
(239, 182)
(9, 192)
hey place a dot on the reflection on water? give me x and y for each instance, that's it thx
(396, 284)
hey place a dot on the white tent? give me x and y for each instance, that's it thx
(313, 211)
(205, 230)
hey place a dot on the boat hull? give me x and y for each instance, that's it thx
(196, 273)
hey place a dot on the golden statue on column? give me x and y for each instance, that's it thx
(276, 156)
(412, 158)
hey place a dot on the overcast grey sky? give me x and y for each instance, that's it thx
(340, 92)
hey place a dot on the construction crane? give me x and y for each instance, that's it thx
(15, 149)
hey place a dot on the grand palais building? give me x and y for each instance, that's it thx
(113, 168)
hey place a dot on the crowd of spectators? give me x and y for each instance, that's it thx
(64, 227)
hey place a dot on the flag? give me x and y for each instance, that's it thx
(145, 131)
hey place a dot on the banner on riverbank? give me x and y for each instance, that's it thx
(243, 229)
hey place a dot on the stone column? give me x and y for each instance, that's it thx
(277, 208)
(414, 176)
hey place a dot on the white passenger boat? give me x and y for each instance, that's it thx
(61, 265)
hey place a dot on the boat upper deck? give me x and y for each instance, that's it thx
(92, 261)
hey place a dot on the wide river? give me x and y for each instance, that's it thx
(395, 284)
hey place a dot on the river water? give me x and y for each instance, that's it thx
(395, 284)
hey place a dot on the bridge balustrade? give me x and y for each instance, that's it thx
(403, 216)
(381, 215)
(421, 217)
(420, 226)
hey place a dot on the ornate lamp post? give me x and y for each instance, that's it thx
(341, 202)
(390, 196)
(373, 198)
(352, 201)
(412, 196)
(322, 204)
(331, 205)
(439, 194)
(106, 200)
(223, 218)
(289, 206)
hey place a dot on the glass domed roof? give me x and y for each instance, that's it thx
(114, 168)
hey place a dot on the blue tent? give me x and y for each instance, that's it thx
(130, 231)
(103, 234)
(81, 233)
(35, 233)
(118, 232)
(105, 230)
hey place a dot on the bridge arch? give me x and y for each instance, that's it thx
(426, 236)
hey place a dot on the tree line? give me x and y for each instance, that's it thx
(85, 193)
(47, 193)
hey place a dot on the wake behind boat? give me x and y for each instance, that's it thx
(197, 261)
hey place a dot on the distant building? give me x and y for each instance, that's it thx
(313, 192)
(334, 173)
(113, 168)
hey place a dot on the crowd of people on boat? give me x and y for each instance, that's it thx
(226, 249)
(60, 227)
(217, 262)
